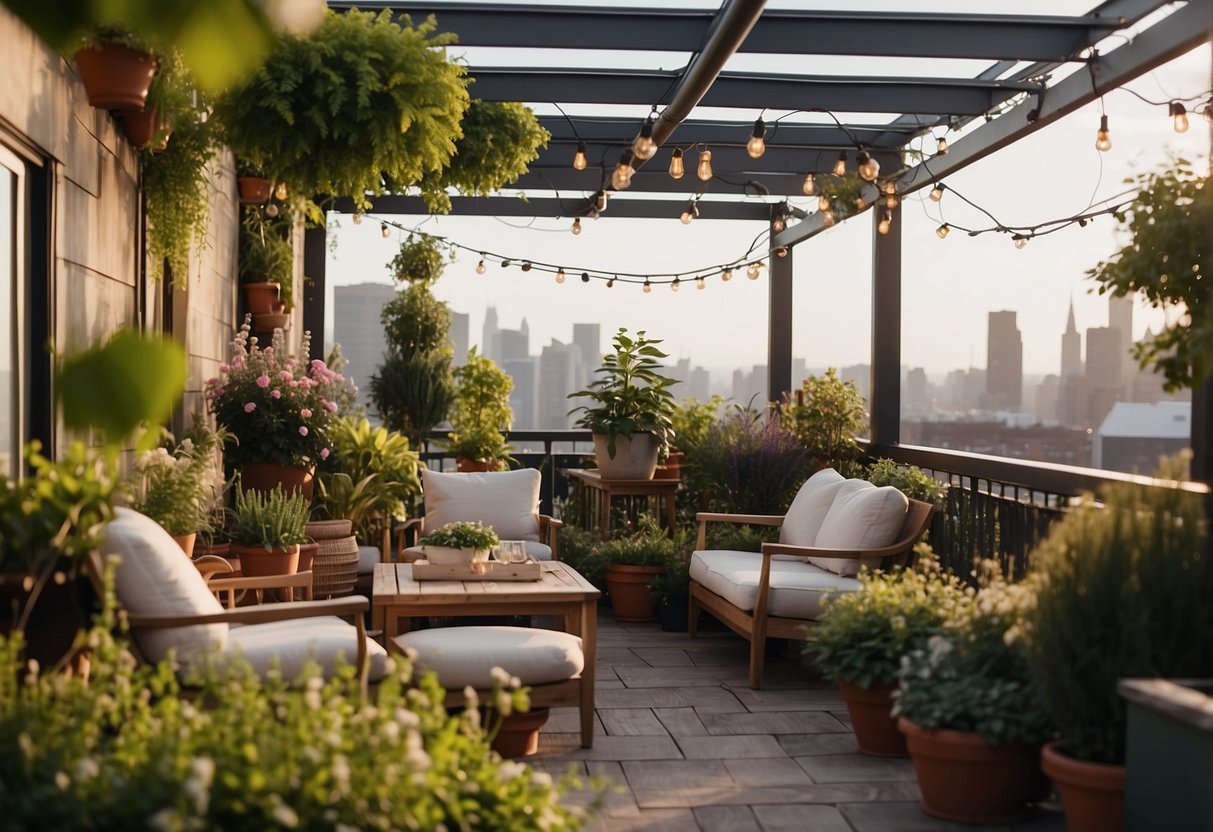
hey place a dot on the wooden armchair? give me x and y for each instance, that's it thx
(779, 591)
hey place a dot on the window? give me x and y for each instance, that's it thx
(13, 204)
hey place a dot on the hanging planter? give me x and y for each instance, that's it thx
(115, 77)
(254, 190)
(259, 298)
(269, 321)
(141, 126)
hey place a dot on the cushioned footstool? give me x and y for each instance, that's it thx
(548, 662)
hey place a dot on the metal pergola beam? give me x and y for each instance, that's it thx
(512, 206)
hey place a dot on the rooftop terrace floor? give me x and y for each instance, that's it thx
(692, 747)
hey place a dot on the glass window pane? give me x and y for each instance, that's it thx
(9, 184)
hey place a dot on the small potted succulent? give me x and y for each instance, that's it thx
(462, 542)
(267, 530)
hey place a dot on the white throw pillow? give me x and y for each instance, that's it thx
(506, 500)
(806, 512)
(861, 518)
(156, 578)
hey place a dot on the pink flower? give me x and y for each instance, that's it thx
(306, 413)
(223, 368)
(263, 381)
(275, 394)
(249, 407)
(324, 453)
(303, 430)
(331, 407)
(285, 375)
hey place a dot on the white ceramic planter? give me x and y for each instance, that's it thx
(635, 458)
(448, 555)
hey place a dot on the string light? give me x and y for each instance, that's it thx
(942, 231)
(828, 217)
(585, 277)
(579, 160)
(941, 146)
(782, 251)
(611, 283)
(700, 283)
(644, 147)
(779, 222)
(755, 270)
(480, 267)
(691, 212)
(810, 186)
(648, 286)
(1207, 112)
(937, 191)
(1180, 115)
(704, 171)
(869, 168)
(676, 170)
(885, 223)
(891, 201)
(840, 167)
(526, 265)
(600, 200)
(890, 187)
(622, 177)
(1103, 141)
(726, 275)
(384, 231)
(280, 192)
(823, 203)
(674, 284)
(860, 204)
(560, 275)
(576, 229)
(757, 145)
(505, 264)
(271, 210)
(357, 219)
(1019, 240)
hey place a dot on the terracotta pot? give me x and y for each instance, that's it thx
(635, 458)
(258, 562)
(875, 727)
(519, 733)
(269, 321)
(259, 298)
(253, 189)
(671, 469)
(307, 551)
(141, 125)
(963, 779)
(186, 542)
(278, 307)
(59, 613)
(263, 476)
(1092, 794)
(475, 466)
(329, 529)
(629, 590)
(115, 77)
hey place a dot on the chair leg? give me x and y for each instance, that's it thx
(692, 617)
(758, 646)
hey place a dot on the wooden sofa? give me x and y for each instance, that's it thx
(832, 528)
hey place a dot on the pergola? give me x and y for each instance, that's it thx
(1032, 70)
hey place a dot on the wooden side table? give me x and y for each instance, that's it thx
(599, 493)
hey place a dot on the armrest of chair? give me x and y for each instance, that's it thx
(211, 565)
(549, 535)
(261, 614)
(769, 549)
(705, 517)
(408, 533)
(300, 580)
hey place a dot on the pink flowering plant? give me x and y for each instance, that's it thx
(276, 406)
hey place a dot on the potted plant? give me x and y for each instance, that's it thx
(462, 542)
(630, 408)
(116, 68)
(275, 408)
(267, 530)
(1121, 592)
(671, 596)
(689, 421)
(862, 636)
(973, 720)
(361, 451)
(481, 412)
(633, 562)
(253, 187)
(267, 265)
(177, 487)
(826, 415)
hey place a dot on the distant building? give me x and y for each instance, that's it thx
(559, 370)
(460, 324)
(1120, 318)
(916, 397)
(588, 339)
(1104, 368)
(358, 328)
(1004, 362)
(490, 343)
(524, 398)
(1134, 435)
(1047, 393)
(1071, 348)
(513, 344)
(1064, 446)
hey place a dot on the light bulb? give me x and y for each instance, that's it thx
(700, 283)
(644, 147)
(726, 275)
(885, 222)
(890, 187)
(782, 251)
(937, 192)
(869, 168)
(560, 275)
(357, 219)
(942, 231)
(600, 200)
(1180, 115)
(648, 287)
(828, 217)
(576, 229)
(1019, 240)
(1103, 141)
(676, 170)
(505, 264)
(941, 146)
(611, 283)
(810, 186)
(280, 192)
(271, 210)
(585, 277)
(757, 145)
(674, 284)
(622, 177)
(840, 167)
(779, 223)
(860, 204)
(755, 270)
(1207, 112)
(704, 171)
(526, 265)
(384, 231)
(691, 212)
(480, 267)
(579, 161)
(891, 201)
(823, 203)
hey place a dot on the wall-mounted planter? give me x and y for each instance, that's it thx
(254, 190)
(115, 77)
(259, 298)
(140, 126)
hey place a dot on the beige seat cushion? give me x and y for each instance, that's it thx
(463, 656)
(156, 578)
(506, 500)
(293, 643)
(368, 557)
(797, 588)
(864, 518)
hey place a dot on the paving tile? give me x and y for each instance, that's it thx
(856, 768)
(620, 748)
(726, 819)
(767, 772)
(681, 722)
(660, 820)
(679, 782)
(818, 818)
(805, 699)
(631, 722)
(730, 747)
(607, 684)
(568, 721)
(755, 796)
(617, 801)
(664, 657)
(901, 817)
(809, 745)
(618, 656)
(772, 722)
(700, 698)
(662, 677)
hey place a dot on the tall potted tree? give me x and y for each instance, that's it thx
(630, 408)
(480, 414)
(826, 415)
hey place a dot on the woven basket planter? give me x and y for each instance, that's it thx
(335, 567)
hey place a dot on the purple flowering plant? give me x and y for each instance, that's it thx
(277, 406)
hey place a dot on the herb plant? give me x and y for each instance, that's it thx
(274, 520)
(462, 535)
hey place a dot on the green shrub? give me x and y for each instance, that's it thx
(648, 546)
(826, 415)
(462, 535)
(911, 481)
(272, 520)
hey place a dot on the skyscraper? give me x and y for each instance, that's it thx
(1004, 362)
(1104, 372)
(1071, 347)
(1120, 318)
(559, 369)
(490, 346)
(359, 331)
(588, 339)
(460, 326)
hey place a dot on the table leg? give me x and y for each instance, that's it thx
(589, 648)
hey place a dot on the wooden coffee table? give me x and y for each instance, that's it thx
(562, 592)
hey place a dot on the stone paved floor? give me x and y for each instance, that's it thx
(691, 747)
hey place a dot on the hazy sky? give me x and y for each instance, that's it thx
(949, 285)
